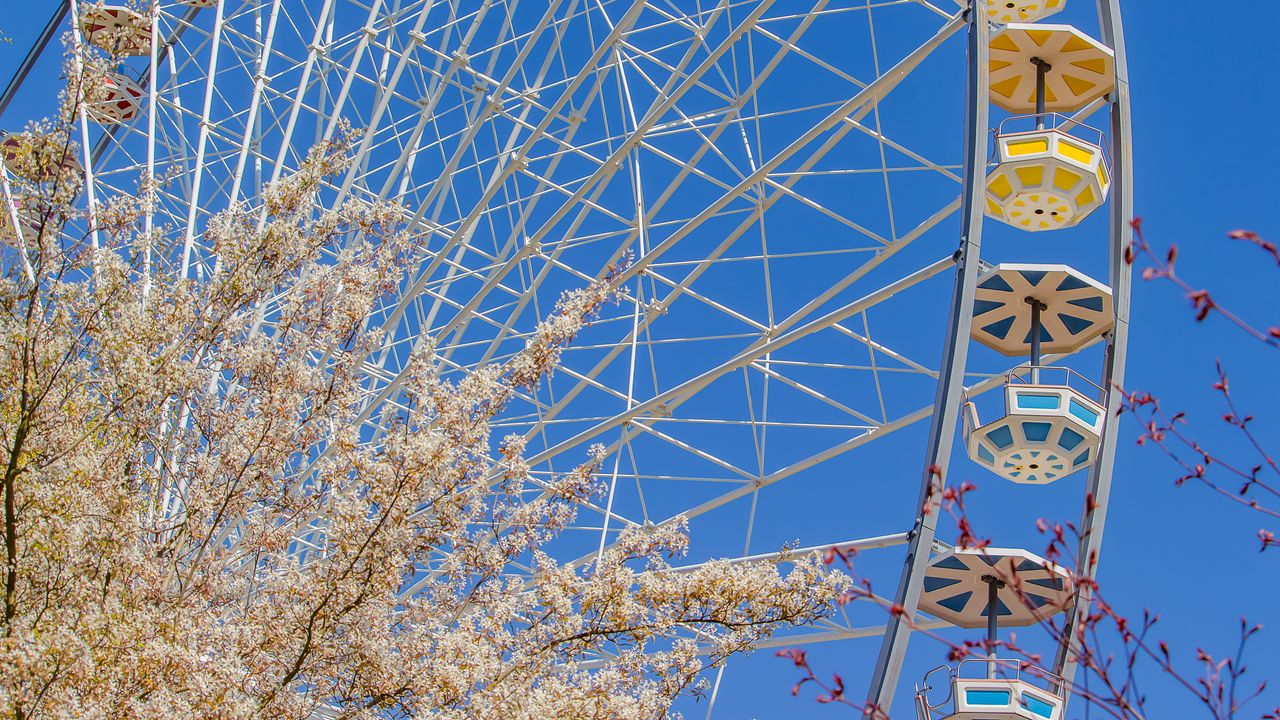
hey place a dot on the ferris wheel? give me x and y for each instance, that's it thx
(802, 188)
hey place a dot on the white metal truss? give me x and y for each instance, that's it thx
(761, 163)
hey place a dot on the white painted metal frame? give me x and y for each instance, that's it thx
(534, 145)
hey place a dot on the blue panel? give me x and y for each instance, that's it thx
(1001, 436)
(1001, 609)
(1069, 439)
(1033, 276)
(1093, 303)
(999, 329)
(1036, 401)
(1071, 282)
(1053, 583)
(996, 698)
(1036, 431)
(1084, 458)
(995, 282)
(1082, 412)
(1074, 325)
(981, 307)
(985, 454)
(937, 583)
(951, 563)
(1045, 336)
(1037, 706)
(956, 603)
(1029, 565)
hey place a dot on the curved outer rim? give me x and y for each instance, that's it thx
(1098, 488)
(946, 414)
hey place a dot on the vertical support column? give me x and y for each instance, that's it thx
(149, 219)
(1099, 482)
(91, 198)
(1042, 69)
(993, 621)
(203, 140)
(946, 409)
(1036, 327)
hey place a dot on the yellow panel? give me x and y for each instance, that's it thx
(1086, 197)
(1000, 186)
(999, 65)
(1031, 175)
(1027, 147)
(1049, 97)
(1103, 180)
(1005, 88)
(1078, 86)
(1075, 43)
(1072, 152)
(1064, 179)
(1052, 4)
(1094, 65)
(1004, 42)
(993, 208)
(1026, 223)
(1039, 37)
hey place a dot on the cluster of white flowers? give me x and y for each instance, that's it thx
(193, 526)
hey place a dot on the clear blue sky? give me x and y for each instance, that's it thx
(1205, 94)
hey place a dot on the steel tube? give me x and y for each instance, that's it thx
(1042, 69)
(1036, 324)
(993, 622)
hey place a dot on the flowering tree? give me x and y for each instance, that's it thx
(195, 526)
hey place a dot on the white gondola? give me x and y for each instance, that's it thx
(1047, 178)
(1003, 12)
(1022, 692)
(1053, 417)
(1048, 431)
(117, 99)
(990, 587)
(28, 212)
(34, 158)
